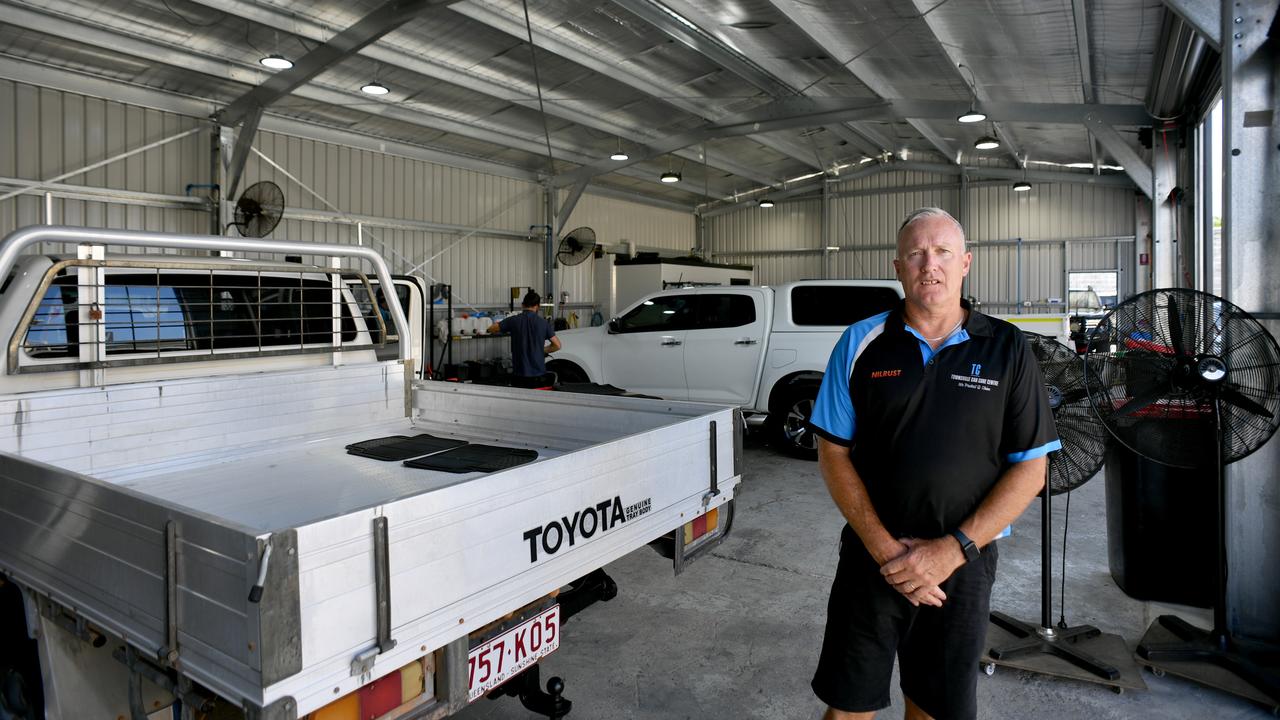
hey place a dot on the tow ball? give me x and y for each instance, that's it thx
(526, 686)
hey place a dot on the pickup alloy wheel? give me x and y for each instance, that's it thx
(791, 424)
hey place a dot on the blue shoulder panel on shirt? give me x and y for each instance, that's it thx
(1035, 452)
(833, 415)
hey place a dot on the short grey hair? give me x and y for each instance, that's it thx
(930, 212)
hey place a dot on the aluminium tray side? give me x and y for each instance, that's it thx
(459, 554)
(462, 556)
(100, 550)
(114, 430)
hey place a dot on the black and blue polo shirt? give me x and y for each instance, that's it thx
(931, 431)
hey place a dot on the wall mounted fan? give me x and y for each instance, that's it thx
(576, 246)
(1191, 380)
(1083, 449)
(259, 209)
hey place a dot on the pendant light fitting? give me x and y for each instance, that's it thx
(618, 154)
(971, 115)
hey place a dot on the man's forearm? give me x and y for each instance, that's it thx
(850, 495)
(1012, 493)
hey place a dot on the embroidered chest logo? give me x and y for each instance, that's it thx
(974, 380)
(877, 374)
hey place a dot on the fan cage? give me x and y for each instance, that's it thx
(259, 209)
(1149, 390)
(1083, 437)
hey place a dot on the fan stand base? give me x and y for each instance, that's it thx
(1177, 647)
(1079, 653)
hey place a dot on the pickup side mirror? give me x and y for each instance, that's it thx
(614, 328)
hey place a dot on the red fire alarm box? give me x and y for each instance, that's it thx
(1144, 259)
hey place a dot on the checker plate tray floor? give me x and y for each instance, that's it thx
(475, 458)
(402, 447)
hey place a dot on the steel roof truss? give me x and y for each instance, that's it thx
(389, 16)
(1111, 141)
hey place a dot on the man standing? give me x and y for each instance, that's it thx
(532, 339)
(933, 429)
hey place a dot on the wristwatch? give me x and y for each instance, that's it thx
(967, 546)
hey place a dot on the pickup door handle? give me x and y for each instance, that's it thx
(671, 342)
(746, 341)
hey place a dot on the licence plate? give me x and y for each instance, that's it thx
(501, 657)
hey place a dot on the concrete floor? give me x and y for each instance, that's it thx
(737, 635)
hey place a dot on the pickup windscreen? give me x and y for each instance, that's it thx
(475, 458)
(402, 447)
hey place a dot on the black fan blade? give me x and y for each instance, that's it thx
(1175, 327)
(1074, 396)
(1140, 401)
(1236, 398)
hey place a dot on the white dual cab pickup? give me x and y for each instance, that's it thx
(763, 349)
(180, 517)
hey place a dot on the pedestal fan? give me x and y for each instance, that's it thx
(1083, 445)
(1191, 380)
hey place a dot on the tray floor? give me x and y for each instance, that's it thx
(290, 483)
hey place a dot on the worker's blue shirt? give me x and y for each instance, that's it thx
(529, 334)
(931, 431)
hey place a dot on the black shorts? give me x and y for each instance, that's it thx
(938, 648)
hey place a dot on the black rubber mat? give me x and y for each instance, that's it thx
(590, 389)
(475, 458)
(402, 447)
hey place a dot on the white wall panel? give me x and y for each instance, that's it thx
(45, 133)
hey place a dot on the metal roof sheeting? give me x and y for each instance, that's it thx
(630, 70)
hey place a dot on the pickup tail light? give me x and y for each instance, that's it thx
(379, 697)
(701, 525)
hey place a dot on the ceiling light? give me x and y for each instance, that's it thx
(618, 154)
(276, 61)
(752, 25)
(765, 203)
(375, 88)
(986, 142)
(971, 115)
(1021, 186)
(670, 177)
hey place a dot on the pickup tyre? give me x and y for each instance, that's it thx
(21, 692)
(567, 372)
(788, 421)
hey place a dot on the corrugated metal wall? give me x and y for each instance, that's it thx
(480, 268)
(618, 221)
(865, 213)
(1063, 227)
(45, 133)
(767, 239)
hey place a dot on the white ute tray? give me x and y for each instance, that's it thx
(88, 527)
